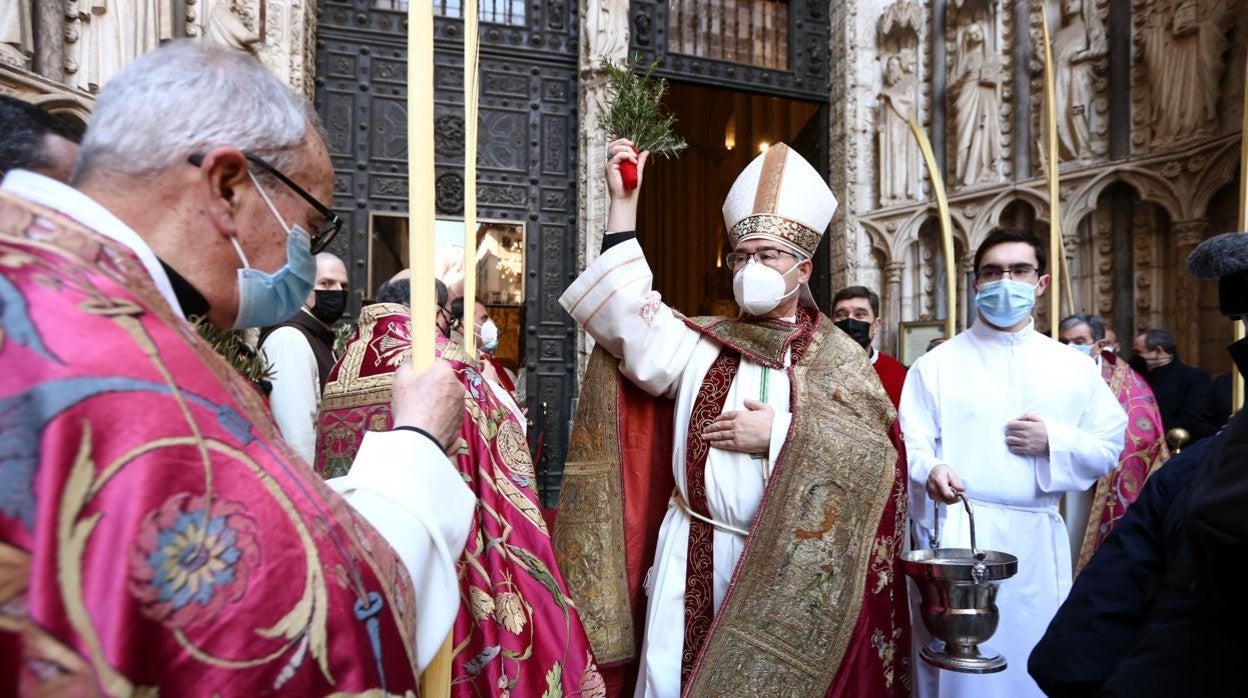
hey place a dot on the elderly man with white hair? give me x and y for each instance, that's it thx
(156, 533)
(745, 462)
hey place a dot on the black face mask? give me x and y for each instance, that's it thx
(330, 305)
(1138, 363)
(449, 321)
(857, 330)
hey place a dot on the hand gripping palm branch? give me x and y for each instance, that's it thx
(635, 111)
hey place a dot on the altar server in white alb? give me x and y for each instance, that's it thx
(1013, 419)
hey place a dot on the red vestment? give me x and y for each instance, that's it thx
(517, 632)
(156, 532)
(892, 374)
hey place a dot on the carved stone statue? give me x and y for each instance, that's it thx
(1077, 45)
(606, 32)
(104, 35)
(1185, 43)
(17, 43)
(976, 86)
(899, 162)
(225, 27)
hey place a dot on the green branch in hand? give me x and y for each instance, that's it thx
(635, 109)
(250, 364)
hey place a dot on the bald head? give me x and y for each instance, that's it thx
(329, 263)
(403, 274)
(331, 275)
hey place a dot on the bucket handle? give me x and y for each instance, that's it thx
(934, 539)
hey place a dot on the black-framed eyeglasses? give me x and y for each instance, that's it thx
(769, 256)
(326, 232)
(1015, 271)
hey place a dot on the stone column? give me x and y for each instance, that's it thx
(289, 47)
(893, 272)
(965, 306)
(854, 81)
(604, 34)
(1072, 273)
(50, 39)
(1187, 235)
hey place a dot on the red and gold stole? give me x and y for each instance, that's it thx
(700, 561)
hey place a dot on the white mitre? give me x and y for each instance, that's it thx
(780, 197)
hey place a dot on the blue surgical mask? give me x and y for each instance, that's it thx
(1006, 302)
(1084, 348)
(267, 299)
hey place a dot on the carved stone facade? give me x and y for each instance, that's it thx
(61, 53)
(603, 36)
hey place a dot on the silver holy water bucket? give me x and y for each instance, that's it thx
(959, 600)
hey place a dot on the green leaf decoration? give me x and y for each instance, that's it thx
(229, 344)
(554, 682)
(343, 333)
(635, 108)
(538, 571)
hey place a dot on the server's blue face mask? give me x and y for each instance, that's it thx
(267, 299)
(1085, 348)
(1006, 302)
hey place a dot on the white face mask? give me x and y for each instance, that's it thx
(758, 288)
(489, 336)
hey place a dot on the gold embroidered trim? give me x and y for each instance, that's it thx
(589, 534)
(768, 192)
(349, 389)
(794, 602)
(790, 231)
(762, 342)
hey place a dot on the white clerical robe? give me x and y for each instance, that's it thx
(400, 481)
(614, 302)
(956, 403)
(296, 395)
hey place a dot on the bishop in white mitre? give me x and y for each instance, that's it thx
(786, 485)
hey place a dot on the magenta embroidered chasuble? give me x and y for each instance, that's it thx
(156, 533)
(517, 632)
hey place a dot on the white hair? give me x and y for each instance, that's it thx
(186, 98)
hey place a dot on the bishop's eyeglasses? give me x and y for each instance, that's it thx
(768, 256)
(992, 272)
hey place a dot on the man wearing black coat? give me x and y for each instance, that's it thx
(1159, 610)
(1183, 392)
